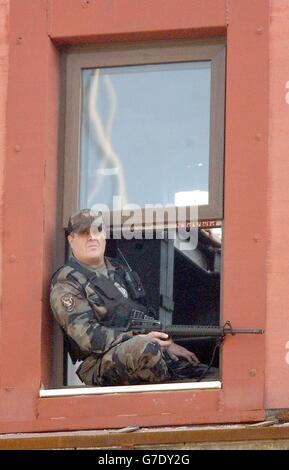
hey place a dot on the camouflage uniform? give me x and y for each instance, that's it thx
(90, 306)
(110, 357)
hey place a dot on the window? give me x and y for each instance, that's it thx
(145, 130)
(145, 126)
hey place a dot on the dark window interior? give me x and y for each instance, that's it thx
(183, 286)
(186, 282)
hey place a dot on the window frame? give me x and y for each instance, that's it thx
(155, 52)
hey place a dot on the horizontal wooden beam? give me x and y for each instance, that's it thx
(134, 438)
(91, 21)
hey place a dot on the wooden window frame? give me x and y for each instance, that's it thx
(160, 52)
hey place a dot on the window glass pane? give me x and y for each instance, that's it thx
(145, 134)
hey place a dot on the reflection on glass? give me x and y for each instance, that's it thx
(145, 134)
(191, 198)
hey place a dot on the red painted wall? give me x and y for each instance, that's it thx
(29, 208)
(4, 62)
(98, 20)
(277, 266)
(255, 261)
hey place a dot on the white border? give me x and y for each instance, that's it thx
(78, 391)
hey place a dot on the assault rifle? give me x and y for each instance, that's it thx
(186, 332)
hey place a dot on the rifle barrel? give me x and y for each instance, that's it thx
(201, 331)
(257, 331)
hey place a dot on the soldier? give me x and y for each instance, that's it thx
(92, 301)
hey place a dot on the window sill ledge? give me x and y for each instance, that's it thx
(83, 390)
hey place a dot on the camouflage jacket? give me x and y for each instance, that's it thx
(81, 313)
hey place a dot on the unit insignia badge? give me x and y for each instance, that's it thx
(68, 302)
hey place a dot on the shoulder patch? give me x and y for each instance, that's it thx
(68, 302)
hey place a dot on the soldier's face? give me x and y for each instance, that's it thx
(88, 247)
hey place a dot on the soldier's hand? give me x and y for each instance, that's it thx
(162, 338)
(176, 351)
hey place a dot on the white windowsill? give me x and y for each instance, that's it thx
(82, 390)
